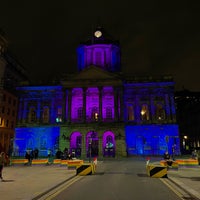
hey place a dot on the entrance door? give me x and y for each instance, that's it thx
(92, 143)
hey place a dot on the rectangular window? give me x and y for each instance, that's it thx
(130, 112)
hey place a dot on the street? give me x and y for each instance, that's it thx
(117, 180)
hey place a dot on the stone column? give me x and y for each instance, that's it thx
(138, 114)
(52, 112)
(20, 111)
(116, 107)
(69, 104)
(83, 146)
(84, 104)
(64, 106)
(121, 103)
(38, 113)
(100, 103)
(25, 111)
(100, 147)
(173, 110)
(152, 107)
(167, 107)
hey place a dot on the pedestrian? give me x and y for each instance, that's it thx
(28, 156)
(2, 162)
(166, 156)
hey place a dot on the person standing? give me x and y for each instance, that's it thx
(2, 161)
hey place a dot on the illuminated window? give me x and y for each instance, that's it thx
(95, 115)
(32, 115)
(45, 115)
(1, 121)
(130, 112)
(144, 112)
(160, 112)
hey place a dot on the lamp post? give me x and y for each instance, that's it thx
(90, 148)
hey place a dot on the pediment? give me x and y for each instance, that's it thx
(92, 75)
(95, 73)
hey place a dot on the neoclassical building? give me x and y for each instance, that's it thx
(98, 111)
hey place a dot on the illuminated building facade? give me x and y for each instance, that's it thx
(99, 111)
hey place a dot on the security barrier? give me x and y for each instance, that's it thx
(74, 163)
(85, 169)
(19, 161)
(156, 171)
(64, 162)
(170, 164)
(57, 161)
(187, 162)
(39, 161)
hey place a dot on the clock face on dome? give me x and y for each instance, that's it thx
(97, 34)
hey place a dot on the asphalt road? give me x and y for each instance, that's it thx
(116, 180)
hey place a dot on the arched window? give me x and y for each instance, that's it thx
(144, 112)
(160, 112)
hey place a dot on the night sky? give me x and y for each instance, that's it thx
(156, 37)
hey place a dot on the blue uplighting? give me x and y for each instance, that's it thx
(43, 139)
(152, 139)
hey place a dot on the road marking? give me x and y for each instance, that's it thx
(171, 188)
(179, 191)
(58, 190)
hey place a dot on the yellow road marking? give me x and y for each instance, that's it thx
(170, 187)
(63, 187)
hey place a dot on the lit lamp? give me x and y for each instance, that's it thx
(142, 113)
(96, 116)
(185, 137)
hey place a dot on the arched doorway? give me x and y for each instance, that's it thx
(75, 143)
(109, 144)
(92, 144)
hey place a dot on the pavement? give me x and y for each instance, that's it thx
(30, 182)
(188, 178)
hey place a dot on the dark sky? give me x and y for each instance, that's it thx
(156, 37)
